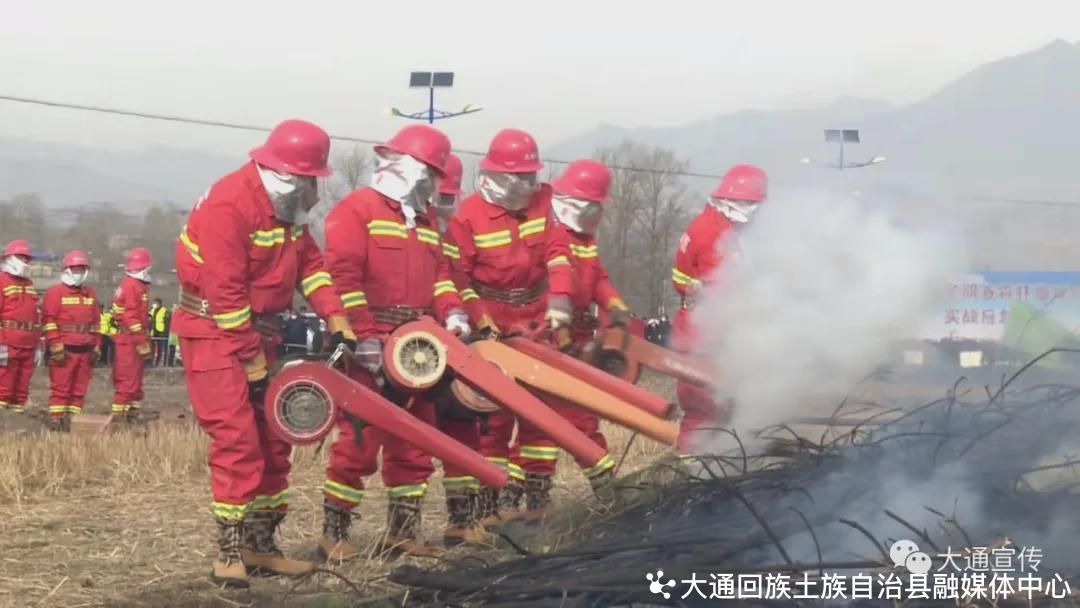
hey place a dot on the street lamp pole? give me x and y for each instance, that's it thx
(841, 137)
(432, 81)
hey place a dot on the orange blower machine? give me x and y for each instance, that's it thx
(301, 407)
(623, 354)
(546, 370)
(419, 353)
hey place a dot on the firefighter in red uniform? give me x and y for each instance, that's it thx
(19, 326)
(700, 252)
(241, 256)
(384, 252)
(70, 320)
(580, 194)
(131, 309)
(517, 262)
(462, 489)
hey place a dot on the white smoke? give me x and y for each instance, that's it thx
(808, 300)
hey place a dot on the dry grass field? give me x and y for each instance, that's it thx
(124, 520)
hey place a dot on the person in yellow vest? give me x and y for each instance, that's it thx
(159, 331)
(107, 330)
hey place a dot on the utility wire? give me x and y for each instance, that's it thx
(248, 127)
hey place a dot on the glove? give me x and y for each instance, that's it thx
(563, 340)
(57, 354)
(458, 322)
(143, 350)
(368, 355)
(486, 328)
(341, 333)
(558, 312)
(618, 313)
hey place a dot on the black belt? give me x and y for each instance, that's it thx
(398, 315)
(514, 296)
(265, 324)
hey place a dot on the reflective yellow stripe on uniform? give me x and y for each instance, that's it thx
(117, 308)
(74, 409)
(558, 260)
(516, 471)
(272, 501)
(352, 299)
(297, 231)
(468, 294)
(119, 408)
(451, 251)
(268, 238)
(136, 327)
(584, 251)
(539, 452)
(234, 319)
(224, 510)
(602, 466)
(442, 287)
(70, 300)
(190, 245)
(411, 491)
(458, 484)
(488, 240)
(314, 281)
(58, 409)
(681, 278)
(387, 228)
(50, 327)
(533, 226)
(13, 289)
(342, 491)
(427, 235)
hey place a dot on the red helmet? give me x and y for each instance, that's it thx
(426, 144)
(19, 247)
(743, 183)
(138, 259)
(296, 147)
(76, 258)
(451, 181)
(585, 179)
(512, 151)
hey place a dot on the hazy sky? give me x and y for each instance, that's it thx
(555, 67)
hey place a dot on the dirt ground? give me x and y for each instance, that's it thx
(124, 520)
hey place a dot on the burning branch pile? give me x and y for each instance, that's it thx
(953, 475)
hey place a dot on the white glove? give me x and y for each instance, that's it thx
(458, 321)
(558, 312)
(369, 354)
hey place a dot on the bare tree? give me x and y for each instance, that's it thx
(352, 169)
(642, 227)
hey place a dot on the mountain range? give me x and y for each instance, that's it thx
(1008, 129)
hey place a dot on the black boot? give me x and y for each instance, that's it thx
(510, 499)
(403, 528)
(537, 497)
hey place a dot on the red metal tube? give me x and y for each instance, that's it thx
(371, 407)
(616, 387)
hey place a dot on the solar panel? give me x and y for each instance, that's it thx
(442, 79)
(420, 79)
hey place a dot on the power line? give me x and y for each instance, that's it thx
(249, 127)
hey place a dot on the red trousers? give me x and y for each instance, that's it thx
(68, 383)
(406, 468)
(467, 431)
(698, 406)
(15, 378)
(127, 377)
(536, 453)
(249, 465)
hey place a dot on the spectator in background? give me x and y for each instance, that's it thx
(159, 332)
(107, 330)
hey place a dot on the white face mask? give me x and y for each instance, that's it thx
(511, 191)
(577, 214)
(141, 275)
(444, 208)
(405, 180)
(291, 195)
(736, 211)
(74, 278)
(16, 266)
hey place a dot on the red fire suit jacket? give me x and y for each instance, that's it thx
(379, 262)
(696, 260)
(234, 254)
(506, 250)
(18, 304)
(70, 316)
(131, 309)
